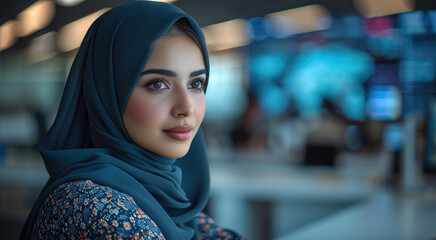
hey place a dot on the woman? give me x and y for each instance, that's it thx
(133, 104)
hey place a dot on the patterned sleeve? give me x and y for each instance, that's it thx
(85, 210)
(208, 230)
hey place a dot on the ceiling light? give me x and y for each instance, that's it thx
(375, 8)
(72, 34)
(300, 20)
(226, 35)
(69, 3)
(7, 36)
(35, 17)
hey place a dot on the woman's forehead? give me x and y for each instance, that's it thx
(177, 53)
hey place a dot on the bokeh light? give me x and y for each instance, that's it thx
(393, 136)
(273, 99)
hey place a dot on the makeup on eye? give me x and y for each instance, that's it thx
(160, 84)
(156, 84)
(197, 83)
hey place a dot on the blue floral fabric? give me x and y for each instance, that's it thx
(208, 230)
(86, 210)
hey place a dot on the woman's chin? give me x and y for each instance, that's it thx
(174, 153)
(179, 154)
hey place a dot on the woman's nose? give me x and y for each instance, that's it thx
(183, 104)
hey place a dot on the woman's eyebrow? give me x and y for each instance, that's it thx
(168, 73)
(198, 72)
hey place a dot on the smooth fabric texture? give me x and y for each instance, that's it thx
(88, 139)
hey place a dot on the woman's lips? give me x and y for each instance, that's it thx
(180, 133)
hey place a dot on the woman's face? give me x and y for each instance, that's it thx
(168, 104)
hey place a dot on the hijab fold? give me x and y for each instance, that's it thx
(88, 140)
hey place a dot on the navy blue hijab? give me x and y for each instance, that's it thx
(88, 139)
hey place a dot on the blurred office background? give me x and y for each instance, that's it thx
(320, 121)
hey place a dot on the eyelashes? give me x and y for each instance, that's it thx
(156, 84)
(159, 84)
(197, 83)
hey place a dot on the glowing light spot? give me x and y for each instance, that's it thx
(269, 65)
(35, 17)
(393, 136)
(273, 99)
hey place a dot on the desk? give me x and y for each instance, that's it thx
(296, 196)
(384, 216)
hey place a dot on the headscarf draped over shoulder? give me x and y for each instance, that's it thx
(88, 139)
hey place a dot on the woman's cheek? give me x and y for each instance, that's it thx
(201, 109)
(145, 110)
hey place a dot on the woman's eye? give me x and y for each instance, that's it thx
(157, 85)
(197, 84)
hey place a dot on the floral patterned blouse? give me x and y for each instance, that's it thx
(86, 210)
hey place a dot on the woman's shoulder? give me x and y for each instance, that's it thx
(89, 210)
